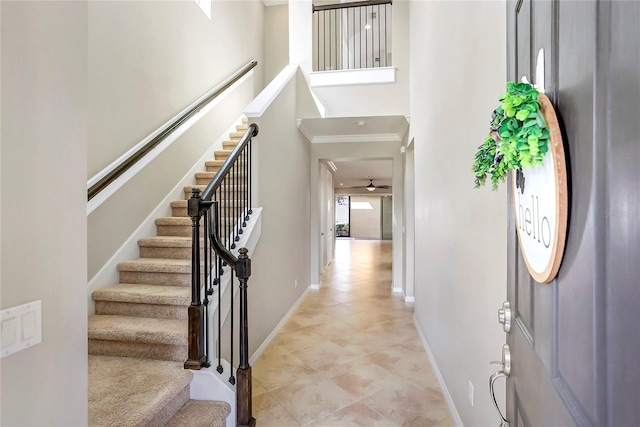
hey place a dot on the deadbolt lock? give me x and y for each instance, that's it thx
(504, 316)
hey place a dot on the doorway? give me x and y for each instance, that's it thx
(343, 216)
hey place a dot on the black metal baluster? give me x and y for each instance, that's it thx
(207, 277)
(324, 41)
(234, 237)
(330, 41)
(232, 379)
(250, 177)
(318, 39)
(236, 203)
(245, 215)
(386, 55)
(379, 45)
(360, 33)
(218, 260)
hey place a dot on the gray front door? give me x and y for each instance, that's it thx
(575, 343)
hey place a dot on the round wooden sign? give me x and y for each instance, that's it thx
(541, 200)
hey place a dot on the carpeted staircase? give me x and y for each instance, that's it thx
(138, 336)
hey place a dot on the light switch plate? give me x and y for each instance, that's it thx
(9, 332)
(21, 327)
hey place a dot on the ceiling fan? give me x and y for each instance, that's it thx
(371, 186)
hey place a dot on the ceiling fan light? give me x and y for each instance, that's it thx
(371, 187)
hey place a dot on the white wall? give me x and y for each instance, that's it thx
(44, 170)
(282, 255)
(148, 61)
(458, 70)
(366, 223)
(276, 40)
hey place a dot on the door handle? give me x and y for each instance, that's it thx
(504, 316)
(503, 373)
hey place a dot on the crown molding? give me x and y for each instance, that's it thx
(379, 137)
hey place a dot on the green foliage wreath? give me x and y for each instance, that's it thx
(518, 138)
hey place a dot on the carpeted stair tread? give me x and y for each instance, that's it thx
(230, 145)
(144, 294)
(156, 265)
(201, 413)
(138, 329)
(135, 392)
(214, 163)
(205, 175)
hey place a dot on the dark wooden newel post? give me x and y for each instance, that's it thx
(243, 373)
(197, 356)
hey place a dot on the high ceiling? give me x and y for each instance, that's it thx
(353, 173)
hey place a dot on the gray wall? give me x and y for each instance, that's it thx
(458, 61)
(282, 255)
(43, 216)
(148, 61)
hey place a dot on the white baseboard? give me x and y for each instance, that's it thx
(314, 287)
(408, 298)
(256, 355)
(443, 385)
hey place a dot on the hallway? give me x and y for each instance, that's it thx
(350, 355)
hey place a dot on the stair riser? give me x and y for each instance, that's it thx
(175, 353)
(142, 310)
(153, 278)
(181, 211)
(176, 230)
(165, 253)
(179, 231)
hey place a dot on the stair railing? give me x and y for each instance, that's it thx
(222, 212)
(352, 35)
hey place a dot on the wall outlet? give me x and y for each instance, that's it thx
(296, 283)
(470, 388)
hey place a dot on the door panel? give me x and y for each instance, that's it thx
(622, 214)
(577, 370)
(575, 344)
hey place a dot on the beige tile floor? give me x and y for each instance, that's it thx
(350, 355)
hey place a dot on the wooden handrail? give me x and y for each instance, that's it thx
(350, 5)
(121, 168)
